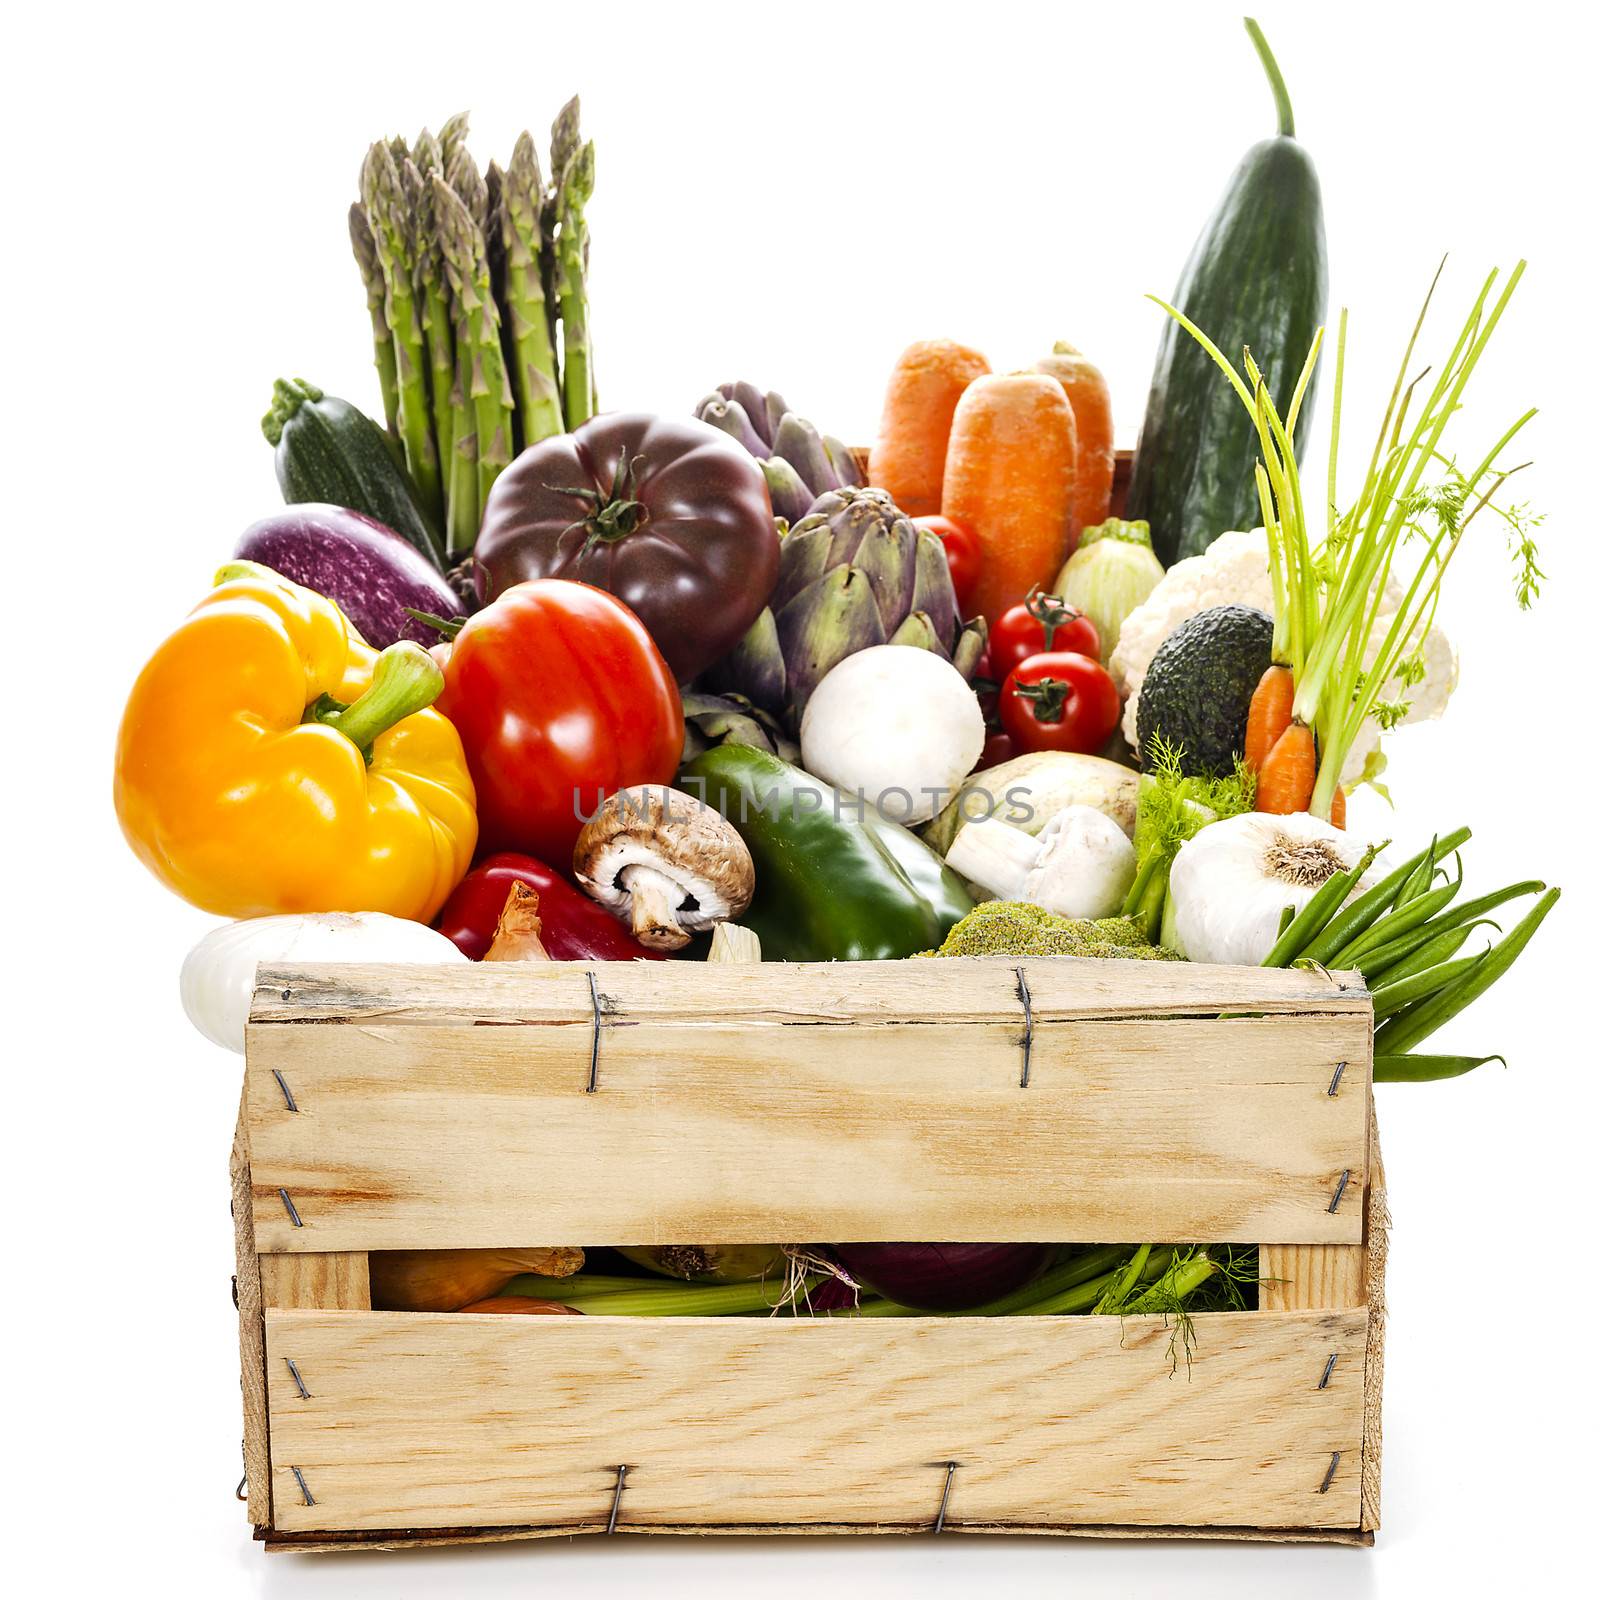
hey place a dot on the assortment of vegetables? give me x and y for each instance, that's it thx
(591, 687)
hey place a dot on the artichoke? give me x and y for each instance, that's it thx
(711, 720)
(799, 463)
(853, 572)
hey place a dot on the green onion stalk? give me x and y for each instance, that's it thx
(1332, 625)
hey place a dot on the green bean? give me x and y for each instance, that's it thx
(1397, 922)
(1411, 1026)
(1389, 998)
(1468, 911)
(1295, 934)
(1437, 947)
(1422, 878)
(1425, 1069)
(1366, 908)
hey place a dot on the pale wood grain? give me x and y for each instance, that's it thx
(435, 1136)
(1378, 1223)
(456, 1421)
(421, 1539)
(252, 1336)
(333, 1280)
(1302, 1277)
(815, 992)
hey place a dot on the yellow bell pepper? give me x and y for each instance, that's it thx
(270, 760)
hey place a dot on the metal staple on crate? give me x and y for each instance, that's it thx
(299, 1478)
(288, 1205)
(944, 1498)
(616, 1499)
(1338, 1194)
(1327, 1371)
(1338, 1074)
(1333, 1467)
(1027, 1023)
(299, 1382)
(288, 1098)
(598, 1003)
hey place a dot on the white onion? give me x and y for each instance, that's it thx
(1231, 881)
(219, 974)
(897, 724)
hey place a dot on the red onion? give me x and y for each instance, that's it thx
(942, 1277)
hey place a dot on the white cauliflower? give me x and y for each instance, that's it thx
(1234, 571)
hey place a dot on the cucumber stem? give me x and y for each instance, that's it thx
(1280, 91)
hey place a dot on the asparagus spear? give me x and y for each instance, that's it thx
(572, 244)
(366, 253)
(452, 137)
(564, 143)
(382, 193)
(433, 289)
(465, 253)
(533, 363)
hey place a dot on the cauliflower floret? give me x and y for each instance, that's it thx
(1234, 571)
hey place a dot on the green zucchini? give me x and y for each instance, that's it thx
(1257, 276)
(331, 453)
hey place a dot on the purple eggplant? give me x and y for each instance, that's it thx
(943, 1277)
(366, 569)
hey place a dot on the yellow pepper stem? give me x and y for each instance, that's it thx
(405, 680)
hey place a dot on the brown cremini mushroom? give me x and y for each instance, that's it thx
(665, 863)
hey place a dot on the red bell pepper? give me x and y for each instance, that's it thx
(572, 926)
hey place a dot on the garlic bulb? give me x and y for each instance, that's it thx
(219, 974)
(1231, 881)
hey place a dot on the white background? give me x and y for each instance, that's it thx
(789, 194)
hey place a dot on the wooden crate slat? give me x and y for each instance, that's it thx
(447, 1421)
(822, 992)
(413, 1135)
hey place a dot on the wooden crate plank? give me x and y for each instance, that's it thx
(448, 1421)
(336, 1280)
(821, 992)
(416, 1136)
(1303, 1277)
(252, 1337)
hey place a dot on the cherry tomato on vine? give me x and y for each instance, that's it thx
(964, 554)
(1040, 624)
(1060, 701)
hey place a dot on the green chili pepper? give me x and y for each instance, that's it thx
(835, 880)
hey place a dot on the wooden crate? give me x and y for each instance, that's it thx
(513, 1105)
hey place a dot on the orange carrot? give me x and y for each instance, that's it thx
(1009, 477)
(1270, 709)
(1097, 447)
(1289, 772)
(908, 459)
(1336, 810)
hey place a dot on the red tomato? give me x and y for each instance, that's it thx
(998, 748)
(1060, 701)
(1041, 624)
(963, 552)
(560, 698)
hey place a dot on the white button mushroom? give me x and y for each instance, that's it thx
(1081, 865)
(897, 724)
(665, 863)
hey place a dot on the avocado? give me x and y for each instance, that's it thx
(1196, 694)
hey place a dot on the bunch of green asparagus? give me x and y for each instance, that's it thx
(477, 289)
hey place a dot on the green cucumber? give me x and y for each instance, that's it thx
(330, 453)
(1257, 276)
